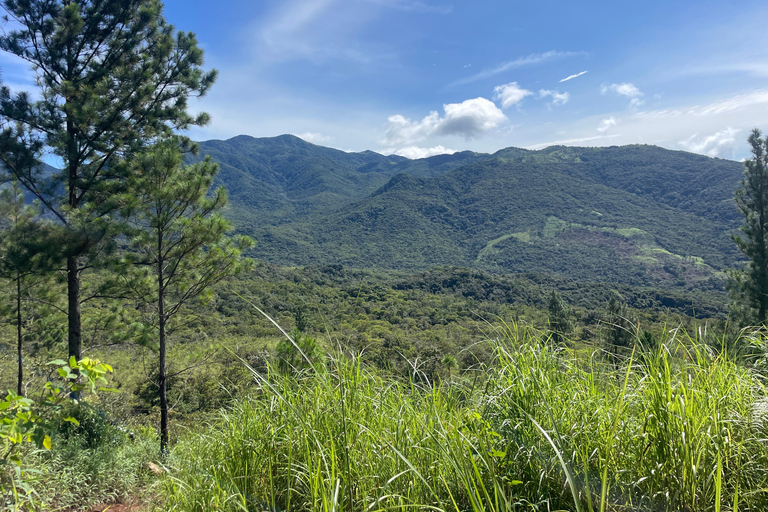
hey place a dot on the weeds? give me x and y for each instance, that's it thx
(671, 429)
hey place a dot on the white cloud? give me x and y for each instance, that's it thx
(402, 130)
(530, 60)
(314, 138)
(467, 119)
(558, 98)
(571, 77)
(720, 144)
(625, 89)
(415, 152)
(470, 118)
(570, 142)
(510, 94)
(605, 124)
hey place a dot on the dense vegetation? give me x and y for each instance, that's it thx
(524, 330)
(637, 215)
(672, 429)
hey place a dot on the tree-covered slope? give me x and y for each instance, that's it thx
(632, 214)
(278, 179)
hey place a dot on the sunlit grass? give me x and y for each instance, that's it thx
(543, 429)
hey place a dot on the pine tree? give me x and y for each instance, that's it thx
(112, 75)
(560, 325)
(180, 238)
(23, 258)
(620, 328)
(749, 285)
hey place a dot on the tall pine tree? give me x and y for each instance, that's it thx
(749, 284)
(25, 257)
(113, 76)
(180, 238)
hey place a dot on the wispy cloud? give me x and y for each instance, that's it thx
(510, 94)
(314, 138)
(414, 6)
(415, 152)
(316, 30)
(606, 124)
(468, 119)
(571, 77)
(627, 90)
(558, 98)
(530, 60)
(567, 142)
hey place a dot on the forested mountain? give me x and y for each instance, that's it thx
(638, 214)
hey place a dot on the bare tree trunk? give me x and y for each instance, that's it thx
(19, 333)
(163, 378)
(73, 297)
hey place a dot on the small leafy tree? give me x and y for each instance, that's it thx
(180, 239)
(560, 322)
(749, 285)
(24, 420)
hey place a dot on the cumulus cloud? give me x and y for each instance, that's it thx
(571, 77)
(415, 152)
(605, 124)
(558, 98)
(720, 144)
(510, 94)
(467, 119)
(470, 118)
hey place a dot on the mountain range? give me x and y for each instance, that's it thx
(638, 215)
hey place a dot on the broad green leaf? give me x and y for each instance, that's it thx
(70, 419)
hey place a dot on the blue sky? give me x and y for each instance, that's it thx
(419, 77)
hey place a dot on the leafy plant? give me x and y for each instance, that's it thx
(27, 421)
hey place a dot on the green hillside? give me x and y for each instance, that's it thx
(639, 215)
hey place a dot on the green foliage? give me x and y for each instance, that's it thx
(620, 329)
(298, 352)
(179, 237)
(750, 284)
(111, 76)
(636, 215)
(560, 324)
(24, 420)
(541, 429)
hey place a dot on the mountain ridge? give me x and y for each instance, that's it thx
(636, 214)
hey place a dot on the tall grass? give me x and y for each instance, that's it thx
(668, 430)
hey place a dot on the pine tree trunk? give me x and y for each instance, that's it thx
(163, 378)
(73, 297)
(19, 333)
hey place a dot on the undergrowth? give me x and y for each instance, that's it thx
(668, 429)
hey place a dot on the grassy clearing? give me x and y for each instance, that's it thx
(667, 430)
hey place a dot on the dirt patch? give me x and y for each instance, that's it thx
(118, 507)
